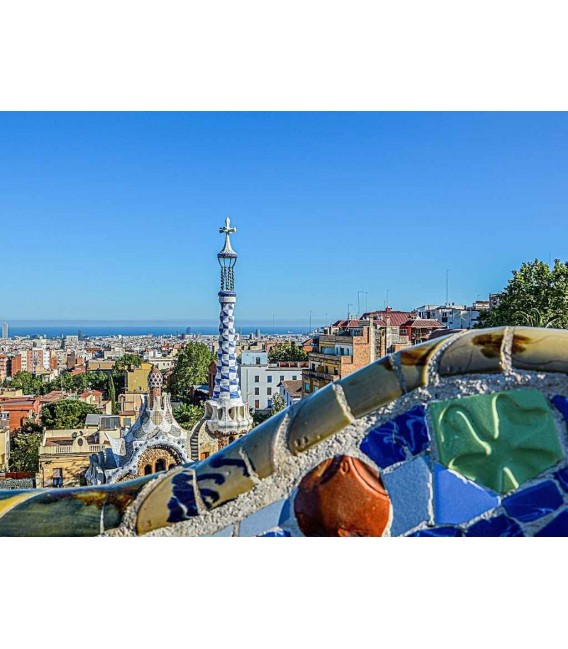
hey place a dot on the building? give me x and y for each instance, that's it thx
(36, 361)
(20, 409)
(454, 316)
(348, 347)
(5, 367)
(156, 442)
(260, 379)
(290, 391)
(64, 456)
(4, 330)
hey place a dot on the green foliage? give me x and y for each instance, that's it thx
(286, 353)
(24, 448)
(65, 381)
(191, 368)
(277, 404)
(187, 415)
(66, 414)
(537, 296)
(258, 417)
(127, 361)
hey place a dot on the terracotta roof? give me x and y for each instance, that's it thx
(431, 323)
(397, 318)
(292, 387)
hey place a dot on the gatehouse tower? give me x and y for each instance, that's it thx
(227, 416)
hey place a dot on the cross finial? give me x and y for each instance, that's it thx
(227, 229)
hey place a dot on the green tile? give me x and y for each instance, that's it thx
(498, 440)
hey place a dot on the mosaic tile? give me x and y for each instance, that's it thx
(476, 351)
(223, 476)
(557, 527)
(534, 502)
(262, 520)
(497, 526)
(259, 445)
(409, 487)
(398, 439)
(371, 387)
(279, 533)
(562, 477)
(316, 418)
(163, 507)
(561, 403)
(226, 531)
(438, 531)
(540, 349)
(342, 496)
(414, 363)
(498, 440)
(458, 500)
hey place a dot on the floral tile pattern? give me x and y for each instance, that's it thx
(498, 440)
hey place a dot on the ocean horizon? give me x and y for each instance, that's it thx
(54, 329)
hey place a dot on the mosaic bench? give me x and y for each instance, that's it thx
(464, 435)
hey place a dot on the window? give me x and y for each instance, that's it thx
(57, 477)
(307, 388)
(282, 377)
(269, 379)
(160, 465)
(269, 391)
(295, 377)
(256, 391)
(269, 403)
(204, 455)
(256, 403)
(258, 360)
(257, 378)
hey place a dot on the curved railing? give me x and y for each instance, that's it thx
(340, 431)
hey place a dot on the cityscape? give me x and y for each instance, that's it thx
(317, 402)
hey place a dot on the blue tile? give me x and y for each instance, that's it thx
(264, 519)
(498, 526)
(226, 531)
(534, 502)
(398, 439)
(439, 531)
(277, 532)
(557, 527)
(562, 477)
(409, 488)
(561, 403)
(457, 499)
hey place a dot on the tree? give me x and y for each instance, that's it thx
(26, 382)
(536, 296)
(24, 448)
(277, 404)
(286, 352)
(187, 415)
(128, 360)
(66, 414)
(191, 368)
(112, 393)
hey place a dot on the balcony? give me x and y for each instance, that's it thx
(67, 450)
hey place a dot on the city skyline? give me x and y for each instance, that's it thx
(116, 212)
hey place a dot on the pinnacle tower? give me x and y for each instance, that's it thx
(228, 417)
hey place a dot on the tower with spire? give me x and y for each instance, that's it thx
(227, 416)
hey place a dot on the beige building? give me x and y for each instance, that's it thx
(64, 454)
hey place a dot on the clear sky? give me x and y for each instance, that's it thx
(115, 216)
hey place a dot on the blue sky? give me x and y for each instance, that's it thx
(115, 215)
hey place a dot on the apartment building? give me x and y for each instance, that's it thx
(260, 379)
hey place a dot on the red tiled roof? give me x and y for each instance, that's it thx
(397, 318)
(425, 324)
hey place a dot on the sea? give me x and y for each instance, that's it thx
(54, 330)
